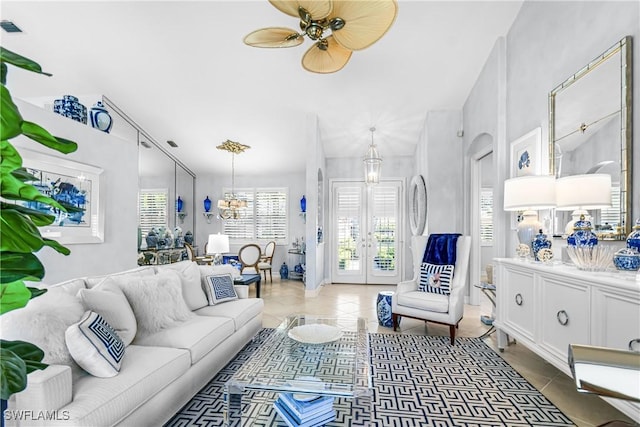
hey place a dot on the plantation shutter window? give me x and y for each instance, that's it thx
(486, 217)
(153, 209)
(265, 217)
(241, 228)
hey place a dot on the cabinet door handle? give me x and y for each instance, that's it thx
(519, 299)
(563, 317)
(634, 345)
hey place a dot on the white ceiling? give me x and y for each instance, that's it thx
(182, 72)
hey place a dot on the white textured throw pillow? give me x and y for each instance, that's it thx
(156, 301)
(95, 345)
(43, 322)
(219, 288)
(110, 303)
(191, 283)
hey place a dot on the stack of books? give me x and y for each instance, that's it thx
(311, 412)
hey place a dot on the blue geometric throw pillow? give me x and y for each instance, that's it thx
(219, 288)
(95, 345)
(435, 278)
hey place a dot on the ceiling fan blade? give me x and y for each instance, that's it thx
(274, 37)
(365, 21)
(322, 61)
(318, 9)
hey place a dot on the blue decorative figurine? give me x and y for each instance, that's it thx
(100, 118)
(582, 235)
(538, 243)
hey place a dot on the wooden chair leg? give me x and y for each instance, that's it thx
(270, 276)
(395, 318)
(452, 332)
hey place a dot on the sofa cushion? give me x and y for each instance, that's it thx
(240, 310)
(122, 275)
(208, 270)
(156, 301)
(43, 322)
(435, 278)
(199, 335)
(192, 291)
(219, 288)
(109, 301)
(70, 286)
(95, 345)
(424, 301)
(144, 372)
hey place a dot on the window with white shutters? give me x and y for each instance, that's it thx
(610, 217)
(264, 218)
(153, 209)
(486, 217)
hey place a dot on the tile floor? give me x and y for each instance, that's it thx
(286, 297)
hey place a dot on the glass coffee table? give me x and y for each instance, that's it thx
(307, 356)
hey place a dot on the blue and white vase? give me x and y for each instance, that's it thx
(627, 259)
(540, 242)
(152, 239)
(69, 106)
(188, 237)
(582, 235)
(383, 308)
(100, 118)
(284, 271)
(633, 240)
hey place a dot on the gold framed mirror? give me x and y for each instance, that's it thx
(590, 121)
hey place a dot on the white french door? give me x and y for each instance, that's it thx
(366, 232)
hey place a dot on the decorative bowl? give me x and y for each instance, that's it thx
(627, 259)
(591, 258)
(316, 333)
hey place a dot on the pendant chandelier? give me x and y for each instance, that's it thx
(372, 163)
(232, 207)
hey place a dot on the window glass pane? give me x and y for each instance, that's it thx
(486, 216)
(349, 202)
(153, 209)
(271, 214)
(385, 213)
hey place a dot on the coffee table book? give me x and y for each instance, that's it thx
(323, 415)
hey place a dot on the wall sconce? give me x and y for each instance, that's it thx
(207, 210)
(529, 194)
(179, 212)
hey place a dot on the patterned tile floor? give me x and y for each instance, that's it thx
(287, 297)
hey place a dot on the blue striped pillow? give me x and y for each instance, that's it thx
(219, 288)
(435, 278)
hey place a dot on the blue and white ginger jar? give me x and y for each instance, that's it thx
(627, 259)
(582, 235)
(100, 118)
(284, 271)
(69, 106)
(633, 240)
(539, 242)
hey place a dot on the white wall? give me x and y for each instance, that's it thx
(118, 188)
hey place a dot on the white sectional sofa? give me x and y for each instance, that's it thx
(161, 369)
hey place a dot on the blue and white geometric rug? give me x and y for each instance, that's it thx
(417, 381)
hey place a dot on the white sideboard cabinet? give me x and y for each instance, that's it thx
(548, 307)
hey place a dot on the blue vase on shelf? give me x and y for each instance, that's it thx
(582, 235)
(207, 204)
(539, 242)
(70, 107)
(179, 204)
(303, 204)
(633, 240)
(100, 118)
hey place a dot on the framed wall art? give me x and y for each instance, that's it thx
(526, 153)
(72, 183)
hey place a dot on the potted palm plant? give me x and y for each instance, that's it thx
(20, 238)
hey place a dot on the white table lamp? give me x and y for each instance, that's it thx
(529, 194)
(216, 246)
(580, 193)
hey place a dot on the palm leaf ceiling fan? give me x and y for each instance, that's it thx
(337, 27)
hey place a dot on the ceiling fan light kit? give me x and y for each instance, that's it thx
(337, 27)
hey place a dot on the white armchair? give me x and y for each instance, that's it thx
(408, 301)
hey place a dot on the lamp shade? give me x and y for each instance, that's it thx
(533, 192)
(217, 244)
(588, 191)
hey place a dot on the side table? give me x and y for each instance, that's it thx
(489, 289)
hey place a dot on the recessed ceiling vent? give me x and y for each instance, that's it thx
(173, 144)
(145, 144)
(10, 27)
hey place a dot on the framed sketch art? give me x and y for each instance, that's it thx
(526, 153)
(73, 184)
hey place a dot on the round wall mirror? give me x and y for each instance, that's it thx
(417, 205)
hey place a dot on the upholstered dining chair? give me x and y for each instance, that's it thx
(249, 257)
(428, 304)
(266, 260)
